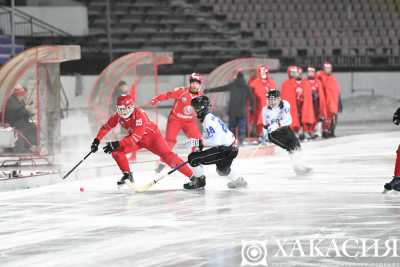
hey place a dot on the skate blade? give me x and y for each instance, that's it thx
(241, 186)
(200, 189)
(385, 191)
(303, 173)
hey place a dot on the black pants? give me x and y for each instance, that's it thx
(237, 125)
(222, 156)
(285, 138)
(28, 130)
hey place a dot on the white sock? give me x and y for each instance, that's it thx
(232, 175)
(198, 171)
(297, 159)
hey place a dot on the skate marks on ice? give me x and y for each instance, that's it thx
(203, 229)
(167, 226)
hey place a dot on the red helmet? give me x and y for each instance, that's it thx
(328, 67)
(195, 77)
(311, 72)
(299, 70)
(292, 70)
(125, 106)
(262, 71)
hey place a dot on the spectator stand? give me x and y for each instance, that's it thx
(37, 70)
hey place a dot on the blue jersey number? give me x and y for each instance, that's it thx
(210, 131)
(224, 128)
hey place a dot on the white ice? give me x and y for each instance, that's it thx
(60, 226)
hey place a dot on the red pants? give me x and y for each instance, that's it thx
(308, 127)
(155, 143)
(329, 123)
(397, 166)
(175, 125)
(258, 122)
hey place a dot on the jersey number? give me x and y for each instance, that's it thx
(210, 131)
(223, 126)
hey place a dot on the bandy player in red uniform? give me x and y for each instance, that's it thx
(142, 133)
(395, 183)
(181, 116)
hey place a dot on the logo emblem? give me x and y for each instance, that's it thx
(254, 253)
(188, 110)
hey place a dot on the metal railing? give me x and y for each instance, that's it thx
(26, 25)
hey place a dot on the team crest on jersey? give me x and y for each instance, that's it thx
(184, 99)
(188, 110)
(139, 122)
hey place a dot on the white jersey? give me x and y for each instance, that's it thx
(277, 117)
(215, 132)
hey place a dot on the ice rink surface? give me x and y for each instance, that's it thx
(60, 226)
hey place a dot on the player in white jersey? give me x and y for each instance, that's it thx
(276, 120)
(222, 147)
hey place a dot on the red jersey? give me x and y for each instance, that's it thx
(306, 104)
(289, 93)
(137, 125)
(260, 87)
(331, 90)
(318, 91)
(181, 108)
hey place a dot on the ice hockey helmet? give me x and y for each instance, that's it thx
(195, 77)
(201, 105)
(125, 106)
(273, 93)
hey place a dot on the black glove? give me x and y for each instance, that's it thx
(201, 145)
(110, 147)
(396, 117)
(95, 145)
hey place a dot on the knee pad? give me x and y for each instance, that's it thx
(224, 171)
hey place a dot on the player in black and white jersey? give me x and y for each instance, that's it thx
(222, 148)
(277, 120)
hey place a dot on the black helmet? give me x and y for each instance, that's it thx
(201, 105)
(273, 93)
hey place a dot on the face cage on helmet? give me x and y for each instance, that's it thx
(195, 90)
(271, 99)
(125, 111)
(201, 110)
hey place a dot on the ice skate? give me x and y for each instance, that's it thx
(126, 176)
(302, 170)
(239, 182)
(196, 183)
(393, 185)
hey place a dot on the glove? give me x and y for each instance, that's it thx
(110, 147)
(154, 101)
(201, 145)
(396, 117)
(95, 145)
